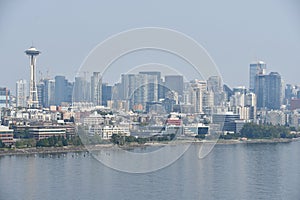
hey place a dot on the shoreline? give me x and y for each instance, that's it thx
(71, 149)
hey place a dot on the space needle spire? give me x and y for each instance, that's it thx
(33, 102)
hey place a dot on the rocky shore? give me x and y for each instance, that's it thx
(45, 150)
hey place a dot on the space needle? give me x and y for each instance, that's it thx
(33, 101)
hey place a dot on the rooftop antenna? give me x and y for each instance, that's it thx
(41, 75)
(47, 74)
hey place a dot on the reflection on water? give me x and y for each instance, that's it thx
(239, 171)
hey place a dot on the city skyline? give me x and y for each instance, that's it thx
(149, 99)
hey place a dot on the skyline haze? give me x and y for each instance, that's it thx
(234, 34)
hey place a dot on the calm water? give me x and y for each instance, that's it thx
(240, 171)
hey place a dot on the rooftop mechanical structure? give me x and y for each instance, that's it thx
(33, 102)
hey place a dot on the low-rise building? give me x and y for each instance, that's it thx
(6, 135)
(43, 132)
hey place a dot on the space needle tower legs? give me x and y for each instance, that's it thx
(33, 102)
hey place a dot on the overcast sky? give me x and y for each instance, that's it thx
(234, 32)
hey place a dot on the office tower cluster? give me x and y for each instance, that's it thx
(148, 91)
(267, 87)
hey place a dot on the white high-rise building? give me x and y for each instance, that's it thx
(139, 89)
(21, 93)
(96, 88)
(198, 88)
(49, 92)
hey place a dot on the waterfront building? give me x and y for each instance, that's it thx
(226, 121)
(6, 135)
(39, 133)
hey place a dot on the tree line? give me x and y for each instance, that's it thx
(262, 131)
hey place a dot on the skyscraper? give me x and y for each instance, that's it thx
(96, 88)
(60, 89)
(174, 82)
(81, 90)
(215, 86)
(274, 84)
(40, 91)
(159, 87)
(139, 89)
(21, 93)
(4, 97)
(198, 88)
(49, 93)
(106, 93)
(268, 90)
(261, 90)
(258, 67)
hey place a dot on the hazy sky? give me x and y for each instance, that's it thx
(234, 32)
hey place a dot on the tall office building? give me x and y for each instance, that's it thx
(69, 93)
(274, 84)
(81, 90)
(261, 90)
(153, 83)
(123, 88)
(4, 97)
(49, 93)
(96, 88)
(106, 93)
(60, 89)
(255, 69)
(268, 90)
(198, 88)
(250, 102)
(40, 91)
(63, 90)
(139, 89)
(215, 85)
(156, 85)
(174, 82)
(21, 93)
(144, 89)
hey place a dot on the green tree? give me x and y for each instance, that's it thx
(2, 145)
